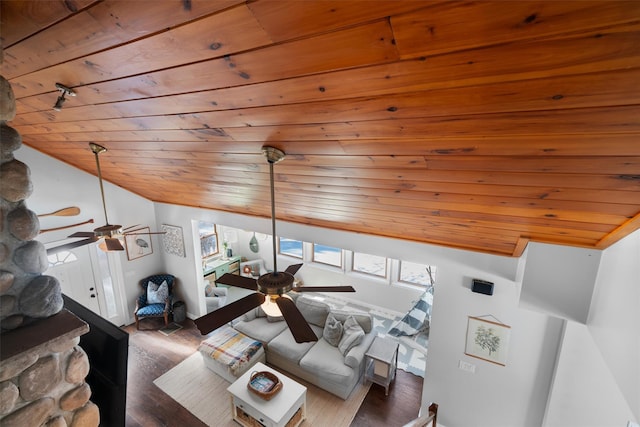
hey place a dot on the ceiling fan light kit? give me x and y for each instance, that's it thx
(61, 99)
(270, 305)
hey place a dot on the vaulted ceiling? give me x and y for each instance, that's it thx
(480, 125)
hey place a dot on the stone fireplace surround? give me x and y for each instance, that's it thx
(42, 367)
(42, 375)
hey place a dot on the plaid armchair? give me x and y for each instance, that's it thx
(156, 298)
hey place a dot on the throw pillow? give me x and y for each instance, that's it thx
(332, 330)
(208, 291)
(314, 312)
(157, 294)
(352, 334)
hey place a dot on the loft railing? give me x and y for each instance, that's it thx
(424, 420)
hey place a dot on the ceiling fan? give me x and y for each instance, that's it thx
(271, 288)
(109, 233)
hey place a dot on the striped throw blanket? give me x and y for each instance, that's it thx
(230, 348)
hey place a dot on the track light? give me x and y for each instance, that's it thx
(65, 91)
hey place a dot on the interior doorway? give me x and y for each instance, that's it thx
(86, 275)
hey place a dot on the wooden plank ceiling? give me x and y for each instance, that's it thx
(480, 125)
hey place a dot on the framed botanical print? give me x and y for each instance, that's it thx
(487, 340)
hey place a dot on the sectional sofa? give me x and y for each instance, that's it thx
(335, 363)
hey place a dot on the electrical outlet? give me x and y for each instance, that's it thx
(466, 366)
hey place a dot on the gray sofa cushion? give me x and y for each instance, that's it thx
(315, 312)
(253, 314)
(259, 312)
(332, 330)
(352, 334)
(261, 329)
(286, 346)
(325, 360)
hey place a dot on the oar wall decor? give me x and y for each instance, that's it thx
(70, 211)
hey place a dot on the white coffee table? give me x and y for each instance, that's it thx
(286, 409)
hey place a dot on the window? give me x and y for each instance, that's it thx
(369, 264)
(290, 247)
(417, 274)
(62, 257)
(327, 255)
(208, 239)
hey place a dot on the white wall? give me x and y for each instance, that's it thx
(559, 280)
(614, 319)
(584, 393)
(57, 185)
(511, 395)
(597, 380)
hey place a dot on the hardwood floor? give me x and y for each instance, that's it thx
(151, 354)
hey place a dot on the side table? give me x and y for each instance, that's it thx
(382, 360)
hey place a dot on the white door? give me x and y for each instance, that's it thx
(85, 275)
(75, 274)
(106, 273)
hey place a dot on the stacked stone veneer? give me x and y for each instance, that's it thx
(45, 386)
(41, 379)
(25, 294)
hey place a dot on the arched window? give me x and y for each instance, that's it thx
(62, 257)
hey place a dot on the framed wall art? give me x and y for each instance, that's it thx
(138, 244)
(487, 340)
(172, 240)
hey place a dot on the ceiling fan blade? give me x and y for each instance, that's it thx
(293, 269)
(227, 313)
(113, 244)
(324, 289)
(82, 234)
(71, 245)
(132, 226)
(238, 281)
(298, 325)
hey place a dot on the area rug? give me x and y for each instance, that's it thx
(204, 394)
(170, 328)
(412, 354)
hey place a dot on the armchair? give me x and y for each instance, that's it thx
(214, 296)
(156, 299)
